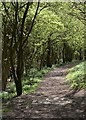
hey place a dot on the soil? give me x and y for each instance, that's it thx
(54, 99)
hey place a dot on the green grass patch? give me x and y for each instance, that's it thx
(6, 110)
(76, 76)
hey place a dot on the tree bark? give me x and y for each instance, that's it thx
(18, 84)
(49, 64)
(63, 53)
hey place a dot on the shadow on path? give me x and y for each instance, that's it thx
(53, 99)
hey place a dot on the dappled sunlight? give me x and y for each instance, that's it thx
(52, 99)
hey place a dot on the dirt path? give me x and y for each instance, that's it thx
(53, 99)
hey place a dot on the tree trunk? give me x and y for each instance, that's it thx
(63, 53)
(18, 84)
(5, 56)
(84, 54)
(49, 53)
(80, 54)
(5, 73)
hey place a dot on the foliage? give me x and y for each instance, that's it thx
(6, 95)
(76, 76)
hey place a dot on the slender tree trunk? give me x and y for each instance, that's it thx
(80, 54)
(63, 53)
(5, 56)
(5, 74)
(58, 56)
(84, 54)
(49, 53)
(41, 62)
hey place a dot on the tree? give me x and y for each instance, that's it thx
(17, 39)
(35, 37)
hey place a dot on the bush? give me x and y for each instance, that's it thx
(26, 87)
(76, 76)
(4, 95)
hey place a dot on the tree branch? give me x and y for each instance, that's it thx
(32, 23)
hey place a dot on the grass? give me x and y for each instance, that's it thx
(6, 110)
(76, 76)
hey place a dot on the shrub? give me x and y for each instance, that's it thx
(76, 76)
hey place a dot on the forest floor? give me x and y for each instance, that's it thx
(53, 99)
